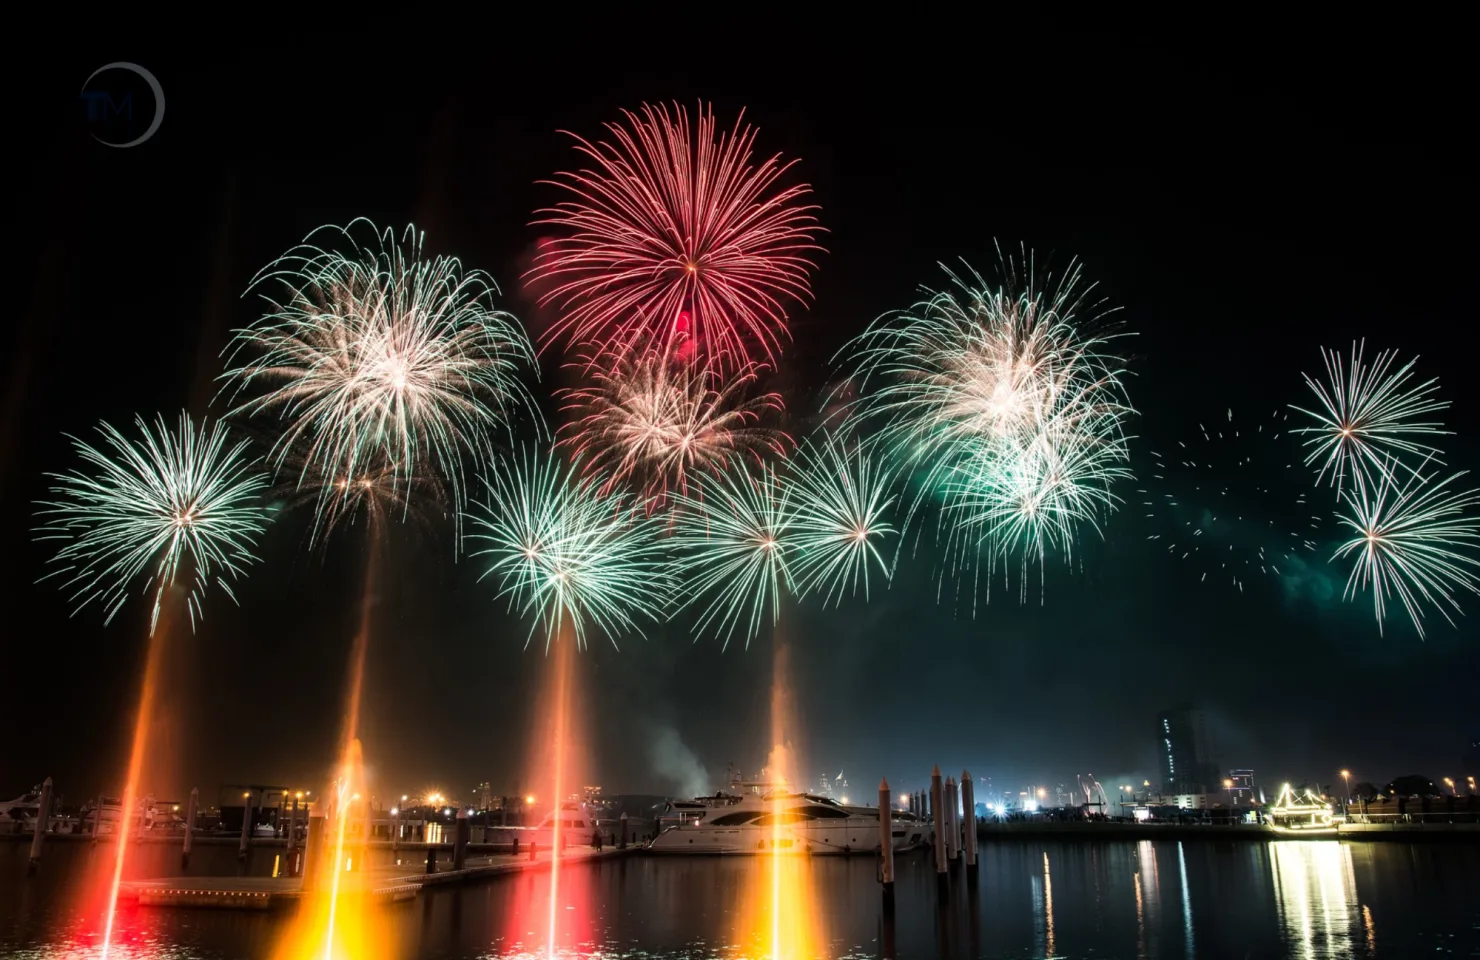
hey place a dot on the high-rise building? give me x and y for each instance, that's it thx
(1182, 746)
(1243, 785)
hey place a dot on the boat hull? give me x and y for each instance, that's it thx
(838, 840)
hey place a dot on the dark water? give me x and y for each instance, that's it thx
(1135, 900)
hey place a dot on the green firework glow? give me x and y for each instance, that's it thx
(161, 507)
(735, 540)
(376, 356)
(840, 515)
(1412, 539)
(1007, 404)
(566, 551)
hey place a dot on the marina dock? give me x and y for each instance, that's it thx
(387, 884)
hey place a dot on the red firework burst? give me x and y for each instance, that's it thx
(680, 240)
(649, 421)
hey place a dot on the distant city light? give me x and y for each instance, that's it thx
(1031, 806)
(395, 811)
(529, 799)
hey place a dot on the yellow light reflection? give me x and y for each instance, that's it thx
(338, 918)
(1316, 896)
(778, 919)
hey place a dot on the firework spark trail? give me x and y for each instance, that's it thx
(1412, 539)
(650, 421)
(1369, 416)
(734, 541)
(1010, 405)
(172, 500)
(841, 506)
(1214, 492)
(677, 234)
(569, 553)
(380, 357)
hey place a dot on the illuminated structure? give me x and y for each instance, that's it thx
(1307, 815)
(1243, 786)
(1182, 749)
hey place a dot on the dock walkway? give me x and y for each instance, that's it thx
(388, 884)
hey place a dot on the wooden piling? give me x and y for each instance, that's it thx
(313, 851)
(460, 840)
(886, 845)
(241, 850)
(43, 817)
(952, 817)
(968, 809)
(937, 809)
(190, 810)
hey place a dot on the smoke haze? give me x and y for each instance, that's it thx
(673, 761)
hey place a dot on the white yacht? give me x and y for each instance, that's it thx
(772, 818)
(578, 823)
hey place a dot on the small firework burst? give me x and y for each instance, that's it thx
(735, 541)
(1370, 415)
(1414, 538)
(649, 421)
(567, 552)
(840, 516)
(165, 506)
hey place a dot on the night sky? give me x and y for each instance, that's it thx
(1243, 204)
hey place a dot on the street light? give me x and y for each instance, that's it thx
(1450, 783)
(1346, 779)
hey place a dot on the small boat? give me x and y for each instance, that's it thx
(771, 818)
(1305, 816)
(101, 819)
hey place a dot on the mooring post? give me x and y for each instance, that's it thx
(43, 816)
(886, 845)
(190, 809)
(460, 840)
(953, 835)
(937, 809)
(622, 825)
(241, 850)
(968, 805)
(313, 851)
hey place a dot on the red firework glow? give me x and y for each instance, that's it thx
(681, 239)
(648, 420)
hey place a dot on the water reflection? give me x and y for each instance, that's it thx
(1292, 899)
(1148, 895)
(1316, 897)
(1186, 899)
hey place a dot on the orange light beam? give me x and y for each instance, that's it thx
(152, 661)
(562, 680)
(352, 733)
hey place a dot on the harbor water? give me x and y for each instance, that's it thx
(1148, 899)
